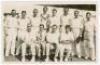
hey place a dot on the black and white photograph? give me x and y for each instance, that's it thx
(48, 32)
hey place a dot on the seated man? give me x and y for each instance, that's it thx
(29, 40)
(52, 38)
(66, 41)
(41, 37)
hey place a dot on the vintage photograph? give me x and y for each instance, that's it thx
(48, 32)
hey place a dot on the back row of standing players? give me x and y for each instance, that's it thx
(46, 30)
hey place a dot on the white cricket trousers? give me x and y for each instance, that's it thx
(29, 41)
(24, 46)
(89, 48)
(76, 46)
(62, 48)
(49, 46)
(21, 37)
(10, 41)
(43, 43)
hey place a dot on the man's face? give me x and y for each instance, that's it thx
(41, 27)
(13, 12)
(35, 12)
(76, 13)
(18, 16)
(54, 12)
(45, 9)
(67, 30)
(66, 10)
(5, 15)
(88, 15)
(23, 14)
(54, 28)
(29, 28)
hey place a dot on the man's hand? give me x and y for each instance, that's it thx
(66, 41)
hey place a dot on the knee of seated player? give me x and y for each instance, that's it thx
(61, 47)
(24, 44)
(43, 43)
(33, 50)
(37, 45)
(91, 47)
(47, 44)
(32, 46)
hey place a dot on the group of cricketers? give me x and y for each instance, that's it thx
(44, 32)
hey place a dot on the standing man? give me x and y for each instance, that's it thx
(89, 37)
(77, 23)
(45, 17)
(5, 21)
(23, 22)
(54, 19)
(65, 19)
(12, 33)
(35, 20)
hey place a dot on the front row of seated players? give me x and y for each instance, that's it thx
(48, 41)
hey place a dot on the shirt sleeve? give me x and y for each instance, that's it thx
(71, 36)
(61, 20)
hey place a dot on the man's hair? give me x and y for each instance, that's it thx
(41, 25)
(29, 25)
(13, 10)
(76, 11)
(17, 13)
(68, 26)
(35, 10)
(88, 13)
(54, 26)
(54, 10)
(5, 14)
(23, 11)
(45, 7)
(66, 8)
